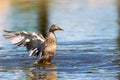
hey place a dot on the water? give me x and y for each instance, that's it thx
(87, 49)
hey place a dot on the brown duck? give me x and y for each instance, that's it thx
(35, 43)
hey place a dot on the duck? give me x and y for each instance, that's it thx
(35, 43)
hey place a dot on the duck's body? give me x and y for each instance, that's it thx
(49, 48)
(35, 43)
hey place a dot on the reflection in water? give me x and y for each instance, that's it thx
(46, 73)
(43, 16)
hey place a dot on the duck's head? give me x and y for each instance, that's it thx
(54, 28)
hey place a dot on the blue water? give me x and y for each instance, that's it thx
(87, 49)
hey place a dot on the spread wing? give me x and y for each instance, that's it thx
(34, 42)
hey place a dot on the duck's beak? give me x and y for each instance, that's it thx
(60, 29)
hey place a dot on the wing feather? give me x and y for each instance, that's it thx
(34, 42)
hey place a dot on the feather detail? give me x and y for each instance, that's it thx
(33, 42)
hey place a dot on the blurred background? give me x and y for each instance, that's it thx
(87, 49)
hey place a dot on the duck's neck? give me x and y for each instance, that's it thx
(51, 38)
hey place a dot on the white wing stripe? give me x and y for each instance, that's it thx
(34, 34)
